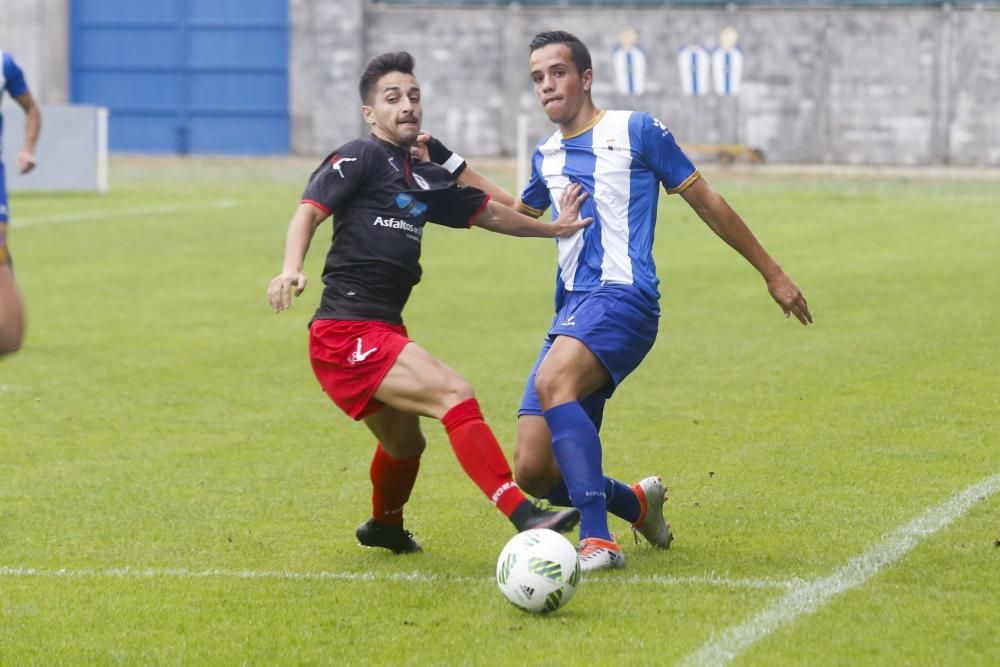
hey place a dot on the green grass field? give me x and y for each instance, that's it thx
(175, 488)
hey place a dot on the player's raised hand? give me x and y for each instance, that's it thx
(569, 221)
(419, 150)
(283, 286)
(789, 297)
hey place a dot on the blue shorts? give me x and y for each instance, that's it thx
(618, 323)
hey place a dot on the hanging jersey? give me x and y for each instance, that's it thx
(11, 81)
(620, 158)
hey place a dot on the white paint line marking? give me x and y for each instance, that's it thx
(708, 579)
(88, 214)
(809, 597)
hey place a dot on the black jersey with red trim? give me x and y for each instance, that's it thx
(380, 200)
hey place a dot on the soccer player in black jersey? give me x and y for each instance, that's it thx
(380, 200)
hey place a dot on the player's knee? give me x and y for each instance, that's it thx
(457, 391)
(551, 388)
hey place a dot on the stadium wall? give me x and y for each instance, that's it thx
(36, 33)
(877, 86)
(880, 86)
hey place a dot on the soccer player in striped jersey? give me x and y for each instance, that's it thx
(607, 299)
(11, 306)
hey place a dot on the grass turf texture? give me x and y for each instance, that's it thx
(161, 418)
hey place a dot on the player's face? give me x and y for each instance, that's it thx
(395, 112)
(560, 88)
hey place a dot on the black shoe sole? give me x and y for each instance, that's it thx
(561, 522)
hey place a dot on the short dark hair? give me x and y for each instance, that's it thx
(580, 54)
(400, 61)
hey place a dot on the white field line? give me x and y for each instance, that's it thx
(708, 579)
(811, 596)
(90, 214)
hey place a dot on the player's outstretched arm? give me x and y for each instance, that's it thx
(729, 226)
(32, 127)
(431, 148)
(473, 178)
(503, 220)
(292, 280)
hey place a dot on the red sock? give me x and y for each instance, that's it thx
(392, 481)
(480, 455)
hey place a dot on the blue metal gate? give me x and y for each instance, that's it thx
(185, 76)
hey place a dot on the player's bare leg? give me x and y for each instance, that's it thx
(11, 306)
(535, 467)
(421, 384)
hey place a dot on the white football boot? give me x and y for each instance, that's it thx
(651, 523)
(599, 554)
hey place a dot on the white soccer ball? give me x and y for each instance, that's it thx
(538, 570)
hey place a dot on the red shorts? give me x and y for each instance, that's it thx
(351, 358)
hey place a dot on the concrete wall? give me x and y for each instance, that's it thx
(36, 34)
(878, 86)
(902, 86)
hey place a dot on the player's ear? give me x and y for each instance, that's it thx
(588, 80)
(368, 114)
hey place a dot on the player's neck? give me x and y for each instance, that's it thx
(379, 133)
(585, 117)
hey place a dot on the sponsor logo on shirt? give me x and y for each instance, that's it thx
(398, 223)
(405, 201)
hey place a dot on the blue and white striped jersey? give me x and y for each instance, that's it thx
(11, 80)
(620, 158)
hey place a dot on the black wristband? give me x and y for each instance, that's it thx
(438, 152)
(442, 155)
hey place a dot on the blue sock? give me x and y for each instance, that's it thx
(621, 498)
(577, 448)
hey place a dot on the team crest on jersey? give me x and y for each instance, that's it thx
(419, 180)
